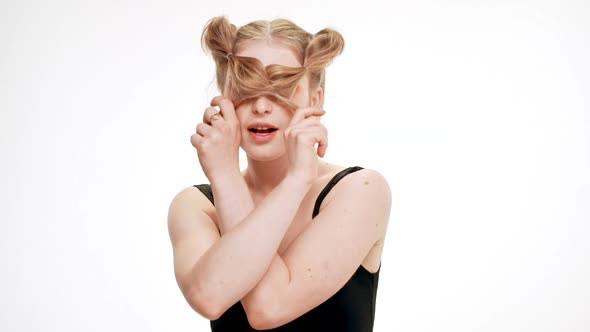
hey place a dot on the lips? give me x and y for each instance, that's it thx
(262, 128)
(262, 132)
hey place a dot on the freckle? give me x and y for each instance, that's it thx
(366, 182)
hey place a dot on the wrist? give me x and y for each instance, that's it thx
(221, 177)
(297, 183)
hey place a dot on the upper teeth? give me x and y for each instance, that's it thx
(262, 128)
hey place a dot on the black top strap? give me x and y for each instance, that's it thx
(330, 185)
(206, 188)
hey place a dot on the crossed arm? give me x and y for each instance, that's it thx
(214, 271)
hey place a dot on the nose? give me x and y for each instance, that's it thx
(262, 105)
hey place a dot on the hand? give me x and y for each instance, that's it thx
(217, 139)
(304, 131)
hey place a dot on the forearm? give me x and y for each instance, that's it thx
(263, 301)
(240, 258)
(233, 202)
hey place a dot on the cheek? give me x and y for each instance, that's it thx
(240, 111)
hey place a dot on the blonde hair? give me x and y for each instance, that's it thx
(248, 78)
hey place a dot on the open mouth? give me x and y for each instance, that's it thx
(262, 130)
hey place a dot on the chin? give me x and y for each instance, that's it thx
(268, 151)
(263, 153)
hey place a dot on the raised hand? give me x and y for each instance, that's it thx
(217, 139)
(304, 131)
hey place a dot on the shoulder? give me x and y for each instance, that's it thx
(363, 184)
(192, 195)
(366, 185)
(189, 201)
(368, 177)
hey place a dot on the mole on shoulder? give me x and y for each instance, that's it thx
(366, 182)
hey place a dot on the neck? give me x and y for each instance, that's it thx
(263, 176)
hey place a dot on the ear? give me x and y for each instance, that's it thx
(316, 97)
(226, 90)
(228, 85)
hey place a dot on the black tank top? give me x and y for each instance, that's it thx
(351, 309)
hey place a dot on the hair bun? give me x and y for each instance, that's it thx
(324, 46)
(218, 38)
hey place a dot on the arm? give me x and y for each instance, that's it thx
(324, 257)
(206, 264)
(215, 272)
(233, 202)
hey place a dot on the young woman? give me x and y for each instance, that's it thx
(291, 243)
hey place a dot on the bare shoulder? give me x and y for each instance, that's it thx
(368, 191)
(366, 183)
(188, 205)
(371, 179)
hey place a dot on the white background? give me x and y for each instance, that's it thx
(477, 113)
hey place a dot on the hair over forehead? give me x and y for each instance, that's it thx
(280, 31)
(246, 77)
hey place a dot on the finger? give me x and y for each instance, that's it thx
(308, 122)
(226, 107)
(322, 147)
(319, 135)
(203, 129)
(312, 135)
(306, 112)
(196, 140)
(209, 115)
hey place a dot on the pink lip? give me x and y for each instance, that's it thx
(262, 137)
(261, 124)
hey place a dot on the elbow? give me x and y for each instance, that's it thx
(208, 311)
(258, 319)
(206, 306)
(262, 316)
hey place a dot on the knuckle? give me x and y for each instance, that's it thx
(225, 128)
(206, 112)
(301, 139)
(204, 144)
(215, 135)
(198, 144)
(294, 133)
(225, 102)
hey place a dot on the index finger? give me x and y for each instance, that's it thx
(226, 107)
(303, 113)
